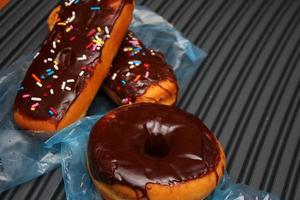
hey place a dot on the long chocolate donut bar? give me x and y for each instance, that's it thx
(139, 74)
(73, 61)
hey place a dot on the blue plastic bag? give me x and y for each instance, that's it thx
(23, 156)
(78, 185)
(228, 190)
(156, 33)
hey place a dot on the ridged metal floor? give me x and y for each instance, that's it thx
(247, 91)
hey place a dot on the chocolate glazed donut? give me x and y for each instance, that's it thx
(73, 61)
(152, 151)
(139, 74)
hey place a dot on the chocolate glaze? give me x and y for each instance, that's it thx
(151, 143)
(67, 58)
(128, 80)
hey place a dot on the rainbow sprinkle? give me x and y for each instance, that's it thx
(95, 8)
(36, 78)
(25, 96)
(36, 99)
(53, 110)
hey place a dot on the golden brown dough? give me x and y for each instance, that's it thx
(149, 151)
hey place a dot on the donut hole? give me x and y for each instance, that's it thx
(156, 146)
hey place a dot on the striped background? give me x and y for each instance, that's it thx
(247, 91)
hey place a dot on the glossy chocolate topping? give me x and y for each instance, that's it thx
(151, 143)
(67, 58)
(135, 68)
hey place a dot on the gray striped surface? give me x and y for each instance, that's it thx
(247, 91)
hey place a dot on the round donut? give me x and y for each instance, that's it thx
(156, 152)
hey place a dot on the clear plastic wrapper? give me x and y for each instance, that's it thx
(24, 156)
(158, 34)
(78, 185)
(228, 190)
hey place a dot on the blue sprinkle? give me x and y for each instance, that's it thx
(123, 82)
(50, 73)
(21, 88)
(48, 70)
(137, 62)
(43, 77)
(77, 1)
(95, 8)
(50, 112)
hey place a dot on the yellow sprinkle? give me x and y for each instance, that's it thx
(68, 29)
(61, 23)
(98, 42)
(99, 29)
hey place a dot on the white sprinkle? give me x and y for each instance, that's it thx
(38, 53)
(39, 84)
(132, 66)
(114, 76)
(55, 67)
(54, 44)
(130, 62)
(97, 37)
(70, 80)
(50, 59)
(127, 74)
(52, 51)
(83, 57)
(55, 76)
(69, 3)
(51, 91)
(81, 73)
(45, 61)
(98, 48)
(68, 88)
(63, 85)
(36, 99)
(108, 36)
(70, 19)
(106, 30)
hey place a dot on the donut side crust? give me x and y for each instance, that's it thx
(163, 92)
(198, 188)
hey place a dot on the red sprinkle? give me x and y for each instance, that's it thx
(53, 110)
(72, 38)
(89, 45)
(25, 95)
(91, 32)
(45, 94)
(83, 67)
(91, 69)
(48, 86)
(146, 65)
